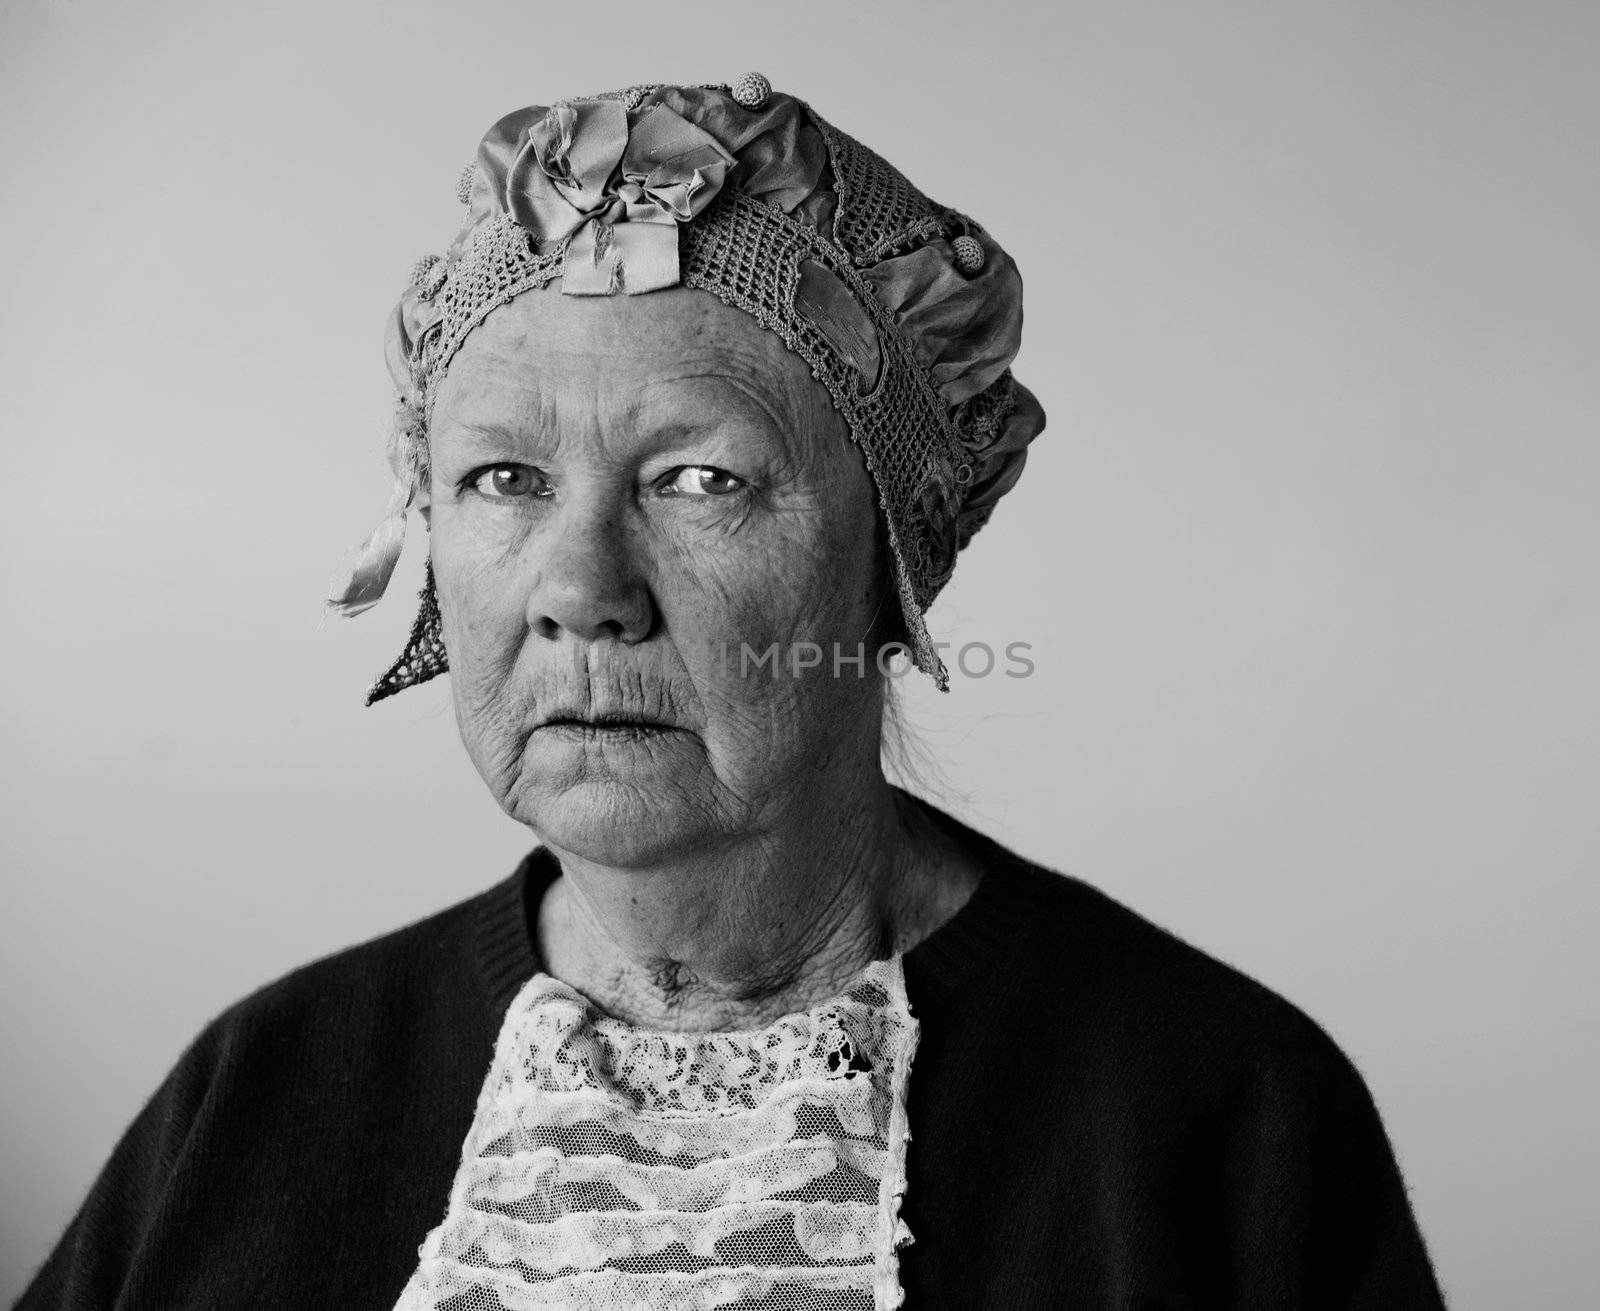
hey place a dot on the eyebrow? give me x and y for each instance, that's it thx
(734, 407)
(498, 430)
(489, 436)
(703, 421)
(745, 400)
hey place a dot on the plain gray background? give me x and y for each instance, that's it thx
(1307, 554)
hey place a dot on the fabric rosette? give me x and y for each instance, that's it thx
(619, 192)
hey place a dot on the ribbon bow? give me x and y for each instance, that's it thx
(620, 193)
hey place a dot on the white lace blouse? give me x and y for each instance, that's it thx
(610, 1167)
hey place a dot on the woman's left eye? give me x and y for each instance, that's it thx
(702, 480)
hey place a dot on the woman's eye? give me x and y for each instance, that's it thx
(503, 481)
(702, 480)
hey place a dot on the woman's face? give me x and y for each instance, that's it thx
(627, 492)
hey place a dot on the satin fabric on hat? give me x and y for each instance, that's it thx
(618, 190)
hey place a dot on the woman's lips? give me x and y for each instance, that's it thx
(606, 730)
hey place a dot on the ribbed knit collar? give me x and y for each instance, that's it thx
(972, 939)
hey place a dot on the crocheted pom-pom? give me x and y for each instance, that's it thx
(427, 275)
(464, 183)
(752, 90)
(969, 253)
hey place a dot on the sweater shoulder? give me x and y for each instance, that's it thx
(457, 959)
(1098, 979)
(1122, 951)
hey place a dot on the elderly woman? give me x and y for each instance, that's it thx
(699, 408)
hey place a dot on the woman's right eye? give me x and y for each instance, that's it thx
(506, 481)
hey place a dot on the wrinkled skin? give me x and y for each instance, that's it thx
(624, 489)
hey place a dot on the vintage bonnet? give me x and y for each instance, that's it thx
(907, 311)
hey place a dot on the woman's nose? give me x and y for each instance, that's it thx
(587, 581)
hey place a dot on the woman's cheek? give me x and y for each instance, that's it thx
(484, 572)
(698, 578)
(484, 624)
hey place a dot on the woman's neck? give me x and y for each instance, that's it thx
(758, 927)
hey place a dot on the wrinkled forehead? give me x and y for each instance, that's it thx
(671, 358)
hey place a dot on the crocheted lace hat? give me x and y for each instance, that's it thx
(908, 311)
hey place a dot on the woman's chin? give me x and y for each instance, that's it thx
(631, 808)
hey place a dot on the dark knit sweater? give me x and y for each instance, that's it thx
(1101, 1116)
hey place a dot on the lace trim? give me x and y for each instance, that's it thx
(608, 1290)
(612, 1167)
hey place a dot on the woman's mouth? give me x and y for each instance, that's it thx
(608, 728)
